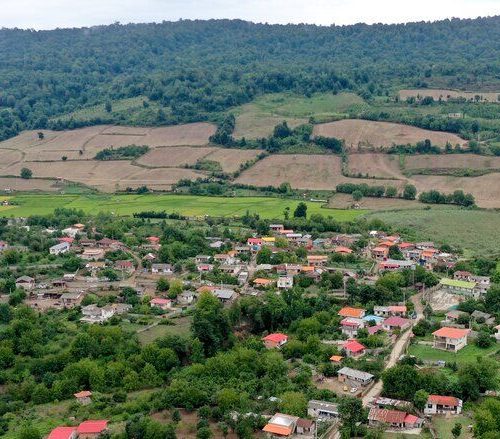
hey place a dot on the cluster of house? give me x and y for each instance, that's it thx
(86, 430)
(383, 412)
(384, 318)
(420, 253)
(466, 284)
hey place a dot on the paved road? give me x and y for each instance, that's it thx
(397, 350)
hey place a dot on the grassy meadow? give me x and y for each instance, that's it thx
(188, 205)
(475, 231)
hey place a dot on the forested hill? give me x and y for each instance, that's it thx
(197, 68)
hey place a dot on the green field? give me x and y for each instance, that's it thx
(444, 425)
(465, 355)
(289, 105)
(475, 231)
(188, 205)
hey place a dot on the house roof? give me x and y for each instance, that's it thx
(354, 346)
(348, 311)
(374, 329)
(396, 321)
(336, 358)
(342, 249)
(450, 401)
(83, 394)
(61, 433)
(397, 308)
(411, 419)
(160, 301)
(262, 281)
(350, 322)
(278, 429)
(457, 283)
(276, 337)
(387, 416)
(448, 332)
(305, 423)
(89, 427)
(380, 249)
(355, 373)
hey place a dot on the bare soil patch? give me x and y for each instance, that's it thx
(452, 161)
(445, 94)
(174, 156)
(9, 157)
(20, 184)
(366, 134)
(158, 179)
(375, 165)
(314, 171)
(231, 159)
(486, 188)
(345, 201)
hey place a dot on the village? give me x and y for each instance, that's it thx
(113, 280)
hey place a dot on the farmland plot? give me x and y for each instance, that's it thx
(452, 161)
(174, 156)
(375, 165)
(367, 134)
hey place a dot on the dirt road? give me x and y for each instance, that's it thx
(397, 350)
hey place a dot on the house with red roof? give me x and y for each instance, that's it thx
(396, 322)
(91, 429)
(153, 239)
(393, 418)
(63, 433)
(275, 340)
(353, 349)
(450, 339)
(160, 302)
(437, 404)
(350, 326)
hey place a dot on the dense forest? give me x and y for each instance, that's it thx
(194, 70)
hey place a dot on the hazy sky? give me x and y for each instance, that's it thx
(48, 14)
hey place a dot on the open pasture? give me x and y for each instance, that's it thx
(258, 118)
(189, 205)
(367, 134)
(345, 201)
(444, 94)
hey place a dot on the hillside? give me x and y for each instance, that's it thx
(191, 70)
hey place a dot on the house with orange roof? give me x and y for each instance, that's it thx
(336, 359)
(437, 404)
(281, 425)
(450, 339)
(262, 282)
(275, 340)
(342, 250)
(348, 311)
(317, 260)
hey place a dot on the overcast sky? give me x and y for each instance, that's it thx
(49, 14)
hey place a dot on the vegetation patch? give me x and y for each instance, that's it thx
(122, 153)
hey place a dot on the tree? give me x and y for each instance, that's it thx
(176, 288)
(484, 340)
(282, 130)
(211, 324)
(162, 284)
(26, 173)
(108, 107)
(420, 399)
(351, 413)
(204, 433)
(293, 403)
(357, 195)
(456, 431)
(391, 191)
(41, 136)
(29, 432)
(409, 192)
(300, 211)
(64, 158)
(176, 416)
